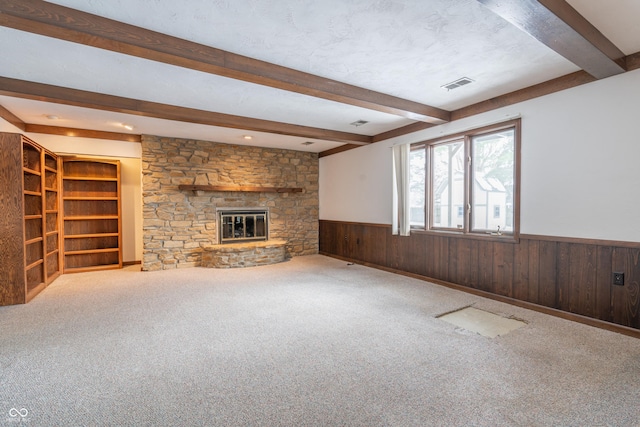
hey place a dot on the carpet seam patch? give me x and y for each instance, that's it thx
(482, 322)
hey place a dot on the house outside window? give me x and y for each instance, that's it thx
(468, 183)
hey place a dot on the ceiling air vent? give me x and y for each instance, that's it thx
(456, 84)
(359, 123)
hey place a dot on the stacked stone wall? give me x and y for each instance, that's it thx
(178, 224)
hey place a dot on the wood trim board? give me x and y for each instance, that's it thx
(534, 307)
(573, 276)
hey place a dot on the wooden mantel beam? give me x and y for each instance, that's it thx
(98, 101)
(239, 188)
(52, 20)
(560, 27)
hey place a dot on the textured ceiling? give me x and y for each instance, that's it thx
(403, 48)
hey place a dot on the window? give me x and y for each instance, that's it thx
(417, 188)
(467, 183)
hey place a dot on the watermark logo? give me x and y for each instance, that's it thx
(19, 415)
(22, 412)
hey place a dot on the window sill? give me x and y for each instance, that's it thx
(504, 238)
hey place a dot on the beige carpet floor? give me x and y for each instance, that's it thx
(309, 342)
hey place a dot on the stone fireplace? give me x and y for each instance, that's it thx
(186, 184)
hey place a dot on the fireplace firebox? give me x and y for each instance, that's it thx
(243, 225)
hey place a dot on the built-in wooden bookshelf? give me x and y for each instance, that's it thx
(91, 215)
(56, 214)
(52, 216)
(29, 223)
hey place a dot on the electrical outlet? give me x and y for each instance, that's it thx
(618, 278)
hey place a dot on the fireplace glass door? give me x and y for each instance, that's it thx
(243, 226)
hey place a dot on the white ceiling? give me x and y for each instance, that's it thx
(404, 48)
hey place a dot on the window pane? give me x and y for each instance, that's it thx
(416, 192)
(250, 226)
(227, 227)
(238, 226)
(260, 226)
(448, 185)
(493, 181)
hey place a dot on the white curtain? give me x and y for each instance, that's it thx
(401, 207)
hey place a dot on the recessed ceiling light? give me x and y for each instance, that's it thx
(457, 83)
(52, 117)
(127, 127)
(308, 143)
(359, 123)
(247, 137)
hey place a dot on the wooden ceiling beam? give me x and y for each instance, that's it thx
(337, 150)
(555, 85)
(65, 131)
(79, 98)
(52, 20)
(413, 127)
(551, 86)
(560, 27)
(12, 118)
(82, 133)
(633, 61)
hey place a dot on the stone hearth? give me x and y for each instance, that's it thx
(246, 254)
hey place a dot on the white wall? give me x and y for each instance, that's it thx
(580, 174)
(129, 155)
(356, 185)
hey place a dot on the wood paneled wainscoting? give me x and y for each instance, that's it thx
(566, 277)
